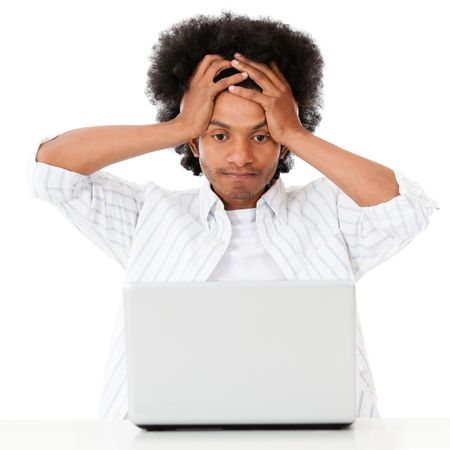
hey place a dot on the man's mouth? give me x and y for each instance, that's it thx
(238, 175)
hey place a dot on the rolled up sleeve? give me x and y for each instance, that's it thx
(102, 206)
(375, 233)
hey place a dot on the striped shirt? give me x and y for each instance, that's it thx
(314, 231)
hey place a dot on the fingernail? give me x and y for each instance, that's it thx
(237, 54)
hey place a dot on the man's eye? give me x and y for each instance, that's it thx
(262, 135)
(258, 135)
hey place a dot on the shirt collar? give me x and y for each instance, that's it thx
(274, 197)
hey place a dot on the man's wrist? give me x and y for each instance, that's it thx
(295, 137)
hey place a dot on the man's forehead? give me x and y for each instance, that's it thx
(222, 124)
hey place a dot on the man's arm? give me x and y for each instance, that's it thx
(87, 150)
(65, 171)
(366, 182)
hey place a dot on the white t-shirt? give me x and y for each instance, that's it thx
(245, 258)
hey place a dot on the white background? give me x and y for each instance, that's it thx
(68, 65)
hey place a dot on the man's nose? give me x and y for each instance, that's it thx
(241, 153)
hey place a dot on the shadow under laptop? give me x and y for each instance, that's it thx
(347, 438)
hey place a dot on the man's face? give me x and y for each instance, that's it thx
(236, 146)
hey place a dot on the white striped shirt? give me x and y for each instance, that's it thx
(314, 231)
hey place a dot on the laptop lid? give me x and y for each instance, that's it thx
(241, 354)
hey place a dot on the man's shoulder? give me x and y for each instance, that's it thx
(150, 185)
(153, 189)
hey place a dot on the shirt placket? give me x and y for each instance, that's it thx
(282, 253)
(212, 248)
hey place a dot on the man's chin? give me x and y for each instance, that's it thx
(238, 191)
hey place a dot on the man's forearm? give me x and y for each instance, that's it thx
(87, 150)
(366, 182)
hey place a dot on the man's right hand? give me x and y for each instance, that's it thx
(197, 103)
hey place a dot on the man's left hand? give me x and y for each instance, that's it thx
(280, 106)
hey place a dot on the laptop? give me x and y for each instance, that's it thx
(241, 354)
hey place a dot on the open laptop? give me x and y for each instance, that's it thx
(241, 354)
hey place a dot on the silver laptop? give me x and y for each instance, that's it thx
(241, 354)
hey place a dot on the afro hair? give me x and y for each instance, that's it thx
(181, 47)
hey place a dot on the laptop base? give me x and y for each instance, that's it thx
(251, 426)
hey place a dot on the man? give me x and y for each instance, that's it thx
(243, 223)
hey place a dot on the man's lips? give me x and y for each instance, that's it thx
(238, 174)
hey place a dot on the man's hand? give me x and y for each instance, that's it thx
(197, 103)
(279, 104)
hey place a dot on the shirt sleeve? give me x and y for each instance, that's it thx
(374, 234)
(102, 206)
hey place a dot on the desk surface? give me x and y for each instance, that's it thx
(370, 433)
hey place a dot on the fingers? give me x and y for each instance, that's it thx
(252, 95)
(259, 72)
(204, 64)
(216, 66)
(278, 71)
(223, 83)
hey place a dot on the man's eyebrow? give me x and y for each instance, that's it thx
(224, 125)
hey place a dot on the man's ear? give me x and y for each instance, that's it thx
(193, 145)
(283, 151)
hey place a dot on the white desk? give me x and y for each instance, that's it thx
(379, 434)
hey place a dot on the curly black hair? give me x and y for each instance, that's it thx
(181, 47)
